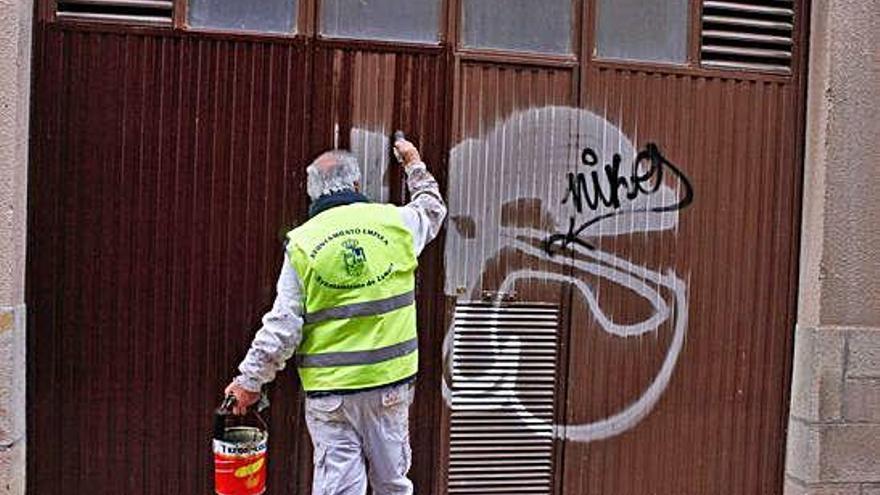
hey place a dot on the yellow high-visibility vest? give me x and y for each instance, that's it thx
(357, 265)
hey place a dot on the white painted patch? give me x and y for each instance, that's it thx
(372, 147)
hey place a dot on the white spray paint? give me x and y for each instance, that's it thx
(548, 141)
(629, 275)
(372, 147)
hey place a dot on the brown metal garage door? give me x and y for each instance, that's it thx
(608, 312)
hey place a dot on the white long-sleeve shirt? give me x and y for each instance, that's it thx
(278, 338)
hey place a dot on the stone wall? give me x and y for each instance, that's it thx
(12, 401)
(15, 59)
(834, 429)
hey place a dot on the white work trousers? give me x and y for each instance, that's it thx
(353, 432)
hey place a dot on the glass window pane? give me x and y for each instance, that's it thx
(651, 30)
(522, 25)
(387, 20)
(275, 16)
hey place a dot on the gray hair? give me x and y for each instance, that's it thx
(341, 174)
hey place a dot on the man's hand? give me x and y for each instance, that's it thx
(243, 398)
(408, 152)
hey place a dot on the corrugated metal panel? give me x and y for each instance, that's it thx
(718, 426)
(679, 320)
(504, 388)
(506, 130)
(165, 170)
(162, 172)
(756, 35)
(153, 12)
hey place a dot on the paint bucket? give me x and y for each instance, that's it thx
(239, 453)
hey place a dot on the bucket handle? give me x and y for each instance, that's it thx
(222, 413)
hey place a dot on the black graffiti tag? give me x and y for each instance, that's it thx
(608, 186)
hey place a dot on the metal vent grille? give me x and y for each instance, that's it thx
(504, 383)
(748, 34)
(151, 12)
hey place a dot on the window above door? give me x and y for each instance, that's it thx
(411, 21)
(518, 25)
(269, 16)
(642, 30)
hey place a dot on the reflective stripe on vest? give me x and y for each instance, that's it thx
(362, 308)
(331, 359)
(357, 266)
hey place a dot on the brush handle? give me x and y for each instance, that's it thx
(397, 136)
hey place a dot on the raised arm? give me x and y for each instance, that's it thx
(425, 212)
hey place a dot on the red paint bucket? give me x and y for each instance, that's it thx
(239, 454)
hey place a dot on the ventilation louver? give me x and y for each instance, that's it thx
(152, 12)
(503, 399)
(748, 34)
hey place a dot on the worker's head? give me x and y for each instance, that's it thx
(331, 172)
